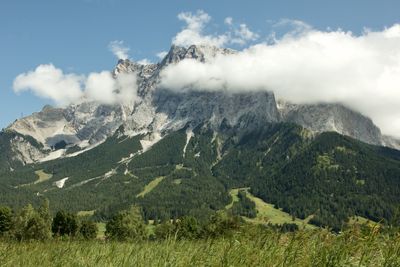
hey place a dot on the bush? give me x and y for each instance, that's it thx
(222, 224)
(88, 230)
(289, 227)
(188, 228)
(165, 230)
(127, 225)
(65, 223)
(5, 220)
(245, 206)
(30, 224)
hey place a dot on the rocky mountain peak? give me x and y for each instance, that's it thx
(202, 53)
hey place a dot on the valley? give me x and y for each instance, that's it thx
(182, 153)
(213, 133)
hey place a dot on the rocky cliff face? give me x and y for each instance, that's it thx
(160, 110)
(196, 107)
(390, 141)
(332, 117)
(82, 124)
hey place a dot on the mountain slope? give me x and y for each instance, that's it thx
(330, 177)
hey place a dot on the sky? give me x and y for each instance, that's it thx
(80, 39)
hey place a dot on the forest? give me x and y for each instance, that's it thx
(328, 178)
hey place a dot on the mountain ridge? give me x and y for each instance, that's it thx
(161, 110)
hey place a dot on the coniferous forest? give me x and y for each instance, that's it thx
(327, 178)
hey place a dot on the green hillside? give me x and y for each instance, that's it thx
(324, 180)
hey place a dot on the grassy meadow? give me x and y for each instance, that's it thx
(267, 213)
(256, 241)
(254, 246)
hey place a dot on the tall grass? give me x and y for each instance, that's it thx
(251, 247)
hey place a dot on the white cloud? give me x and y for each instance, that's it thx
(144, 61)
(119, 49)
(297, 26)
(228, 20)
(193, 32)
(243, 35)
(161, 54)
(126, 88)
(49, 82)
(100, 87)
(311, 66)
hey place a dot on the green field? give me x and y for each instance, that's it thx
(101, 230)
(150, 186)
(251, 247)
(85, 213)
(362, 220)
(42, 176)
(267, 213)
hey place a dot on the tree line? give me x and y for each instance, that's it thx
(30, 223)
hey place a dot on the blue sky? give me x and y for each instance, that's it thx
(74, 35)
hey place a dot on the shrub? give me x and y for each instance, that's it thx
(289, 227)
(5, 220)
(30, 224)
(88, 230)
(126, 225)
(65, 223)
(188, 228)
(165, 230)
(245, 206)
(222, 224)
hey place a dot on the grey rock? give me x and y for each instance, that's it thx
(332, 117)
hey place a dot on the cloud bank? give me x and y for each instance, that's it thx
(47, 81)
(309, 66)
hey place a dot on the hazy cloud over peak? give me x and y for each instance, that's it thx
(119, 49)
(309, 66)
(193, 32)
(243, 34)
(161, 54)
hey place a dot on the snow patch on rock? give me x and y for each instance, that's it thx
(189, 135)
(53, 155)
(150, 140)
(60, 183)
(86, 148)
(110, 173)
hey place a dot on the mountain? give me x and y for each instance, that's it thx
(159, 110)
(176, 153)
